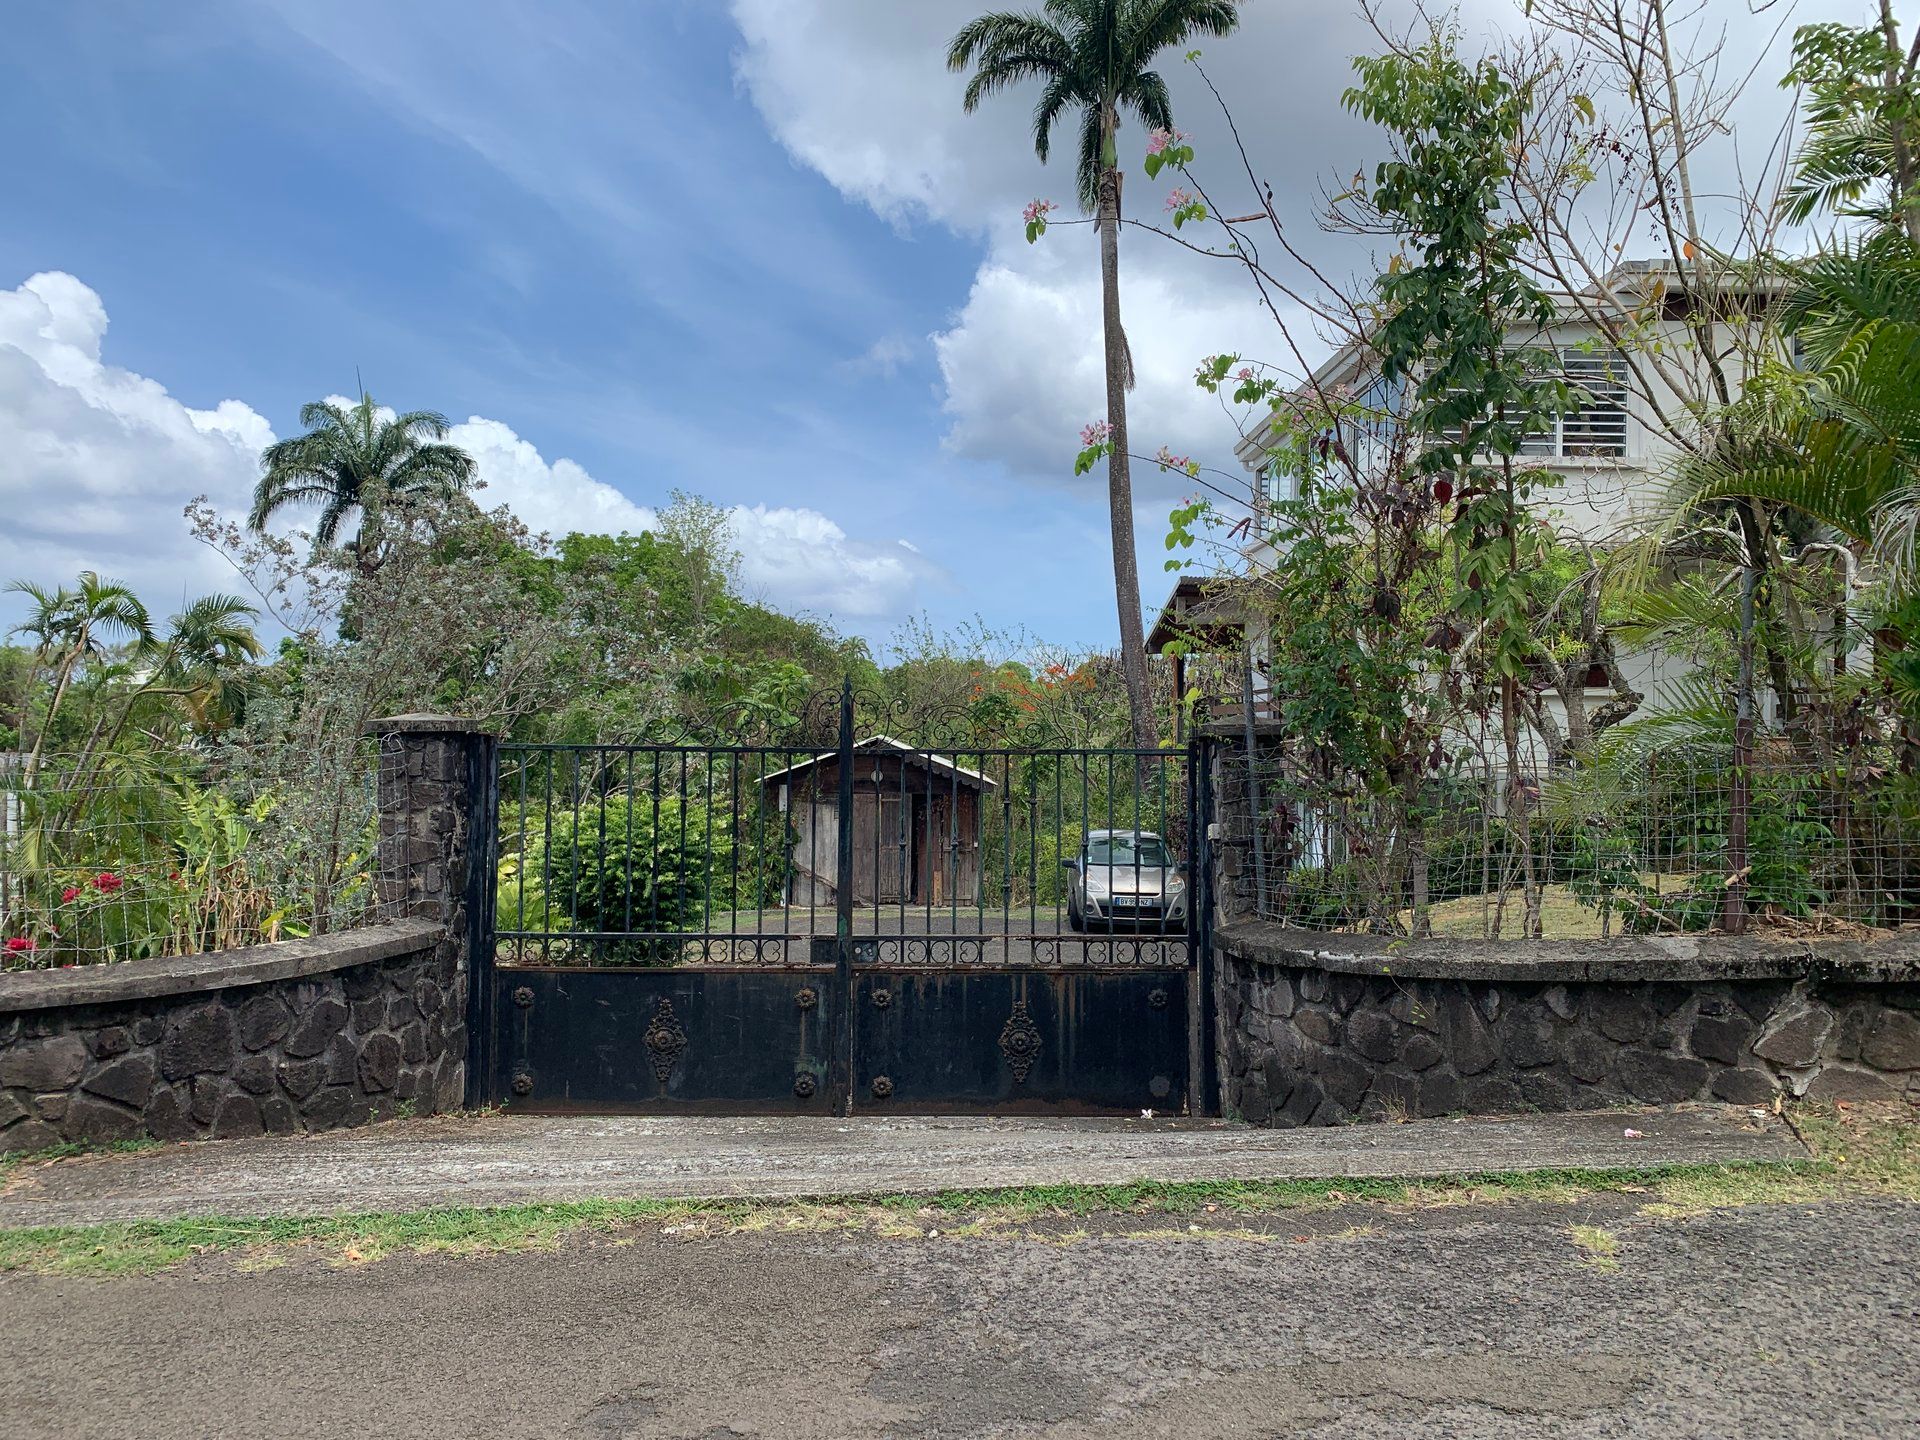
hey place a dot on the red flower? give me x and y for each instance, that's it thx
(20, 945)
(106, 882)
(70, 894)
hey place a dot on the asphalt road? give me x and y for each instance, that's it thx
(1470, 1322)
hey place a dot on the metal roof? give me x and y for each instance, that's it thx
(928, 758)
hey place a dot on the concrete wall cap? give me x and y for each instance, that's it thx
(1677, 958)
(221, 970)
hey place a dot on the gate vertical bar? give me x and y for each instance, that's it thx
(843, 907)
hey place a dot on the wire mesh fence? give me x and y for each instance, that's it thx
(109, 857)
(1676, 840)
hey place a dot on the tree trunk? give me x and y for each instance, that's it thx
(65, 678)
(1126, 566)
(1906, 208)
(1519, 809)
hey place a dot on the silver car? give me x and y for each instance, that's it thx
(1125, 877)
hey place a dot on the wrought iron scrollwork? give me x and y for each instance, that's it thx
(665, 1039)
(1020, 1042)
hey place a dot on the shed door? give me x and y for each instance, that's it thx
(893, 849)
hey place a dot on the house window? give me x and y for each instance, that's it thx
(1276, 485)
(1597, 425)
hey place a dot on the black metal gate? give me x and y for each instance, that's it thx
(871, 927)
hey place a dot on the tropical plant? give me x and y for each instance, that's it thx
(1095, 56)
(358, 459)
(199, 661)
(1450, 311)
(1861, 157)
(70, 626)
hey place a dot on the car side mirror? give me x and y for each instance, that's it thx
(1069, 864)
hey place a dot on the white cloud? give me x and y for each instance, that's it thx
(97, 463)
(861, 94)
(858, 91)
(553, 497)
(884, 357)
(801, 560)
(1020, 360)
(796, 559)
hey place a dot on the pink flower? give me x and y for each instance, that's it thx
(70, 894)
(1095, 433)
(1037, 210)
(20, 945)
(1245, 372)
(1170, 461)
(1177, 198)
(1159, 140)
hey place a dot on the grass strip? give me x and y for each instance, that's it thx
(140, 1247)
(1855, 1152)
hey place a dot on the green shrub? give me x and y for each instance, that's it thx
(657, 866)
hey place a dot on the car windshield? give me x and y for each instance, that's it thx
(1149, 851)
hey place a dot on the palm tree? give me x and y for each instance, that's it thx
(355, 460)
(199, 661)
(70, 626)
(1093, 55)
(1837, 436)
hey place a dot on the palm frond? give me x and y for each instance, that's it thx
(1147, 97)
(1146, 27)
(1086, 175)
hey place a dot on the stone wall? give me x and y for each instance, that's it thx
(303, 1035)
(300, 1035)
(1323, 1029)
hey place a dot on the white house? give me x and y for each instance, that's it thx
(1611, 455)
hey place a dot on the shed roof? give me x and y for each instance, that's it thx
(939, 764)
(1203, 610)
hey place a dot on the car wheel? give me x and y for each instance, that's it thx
(1075, 921)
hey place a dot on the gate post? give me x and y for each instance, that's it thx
(434, 860)
(843, 903)
(1203, 1050)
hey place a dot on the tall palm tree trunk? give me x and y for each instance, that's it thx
(1126, 565)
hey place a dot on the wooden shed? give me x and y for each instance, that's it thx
(916, 826)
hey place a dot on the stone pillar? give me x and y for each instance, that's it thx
(436, 802)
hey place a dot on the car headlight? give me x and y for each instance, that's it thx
(1098, 884)
(1175, 884)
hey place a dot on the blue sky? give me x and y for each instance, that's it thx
(749, 249)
